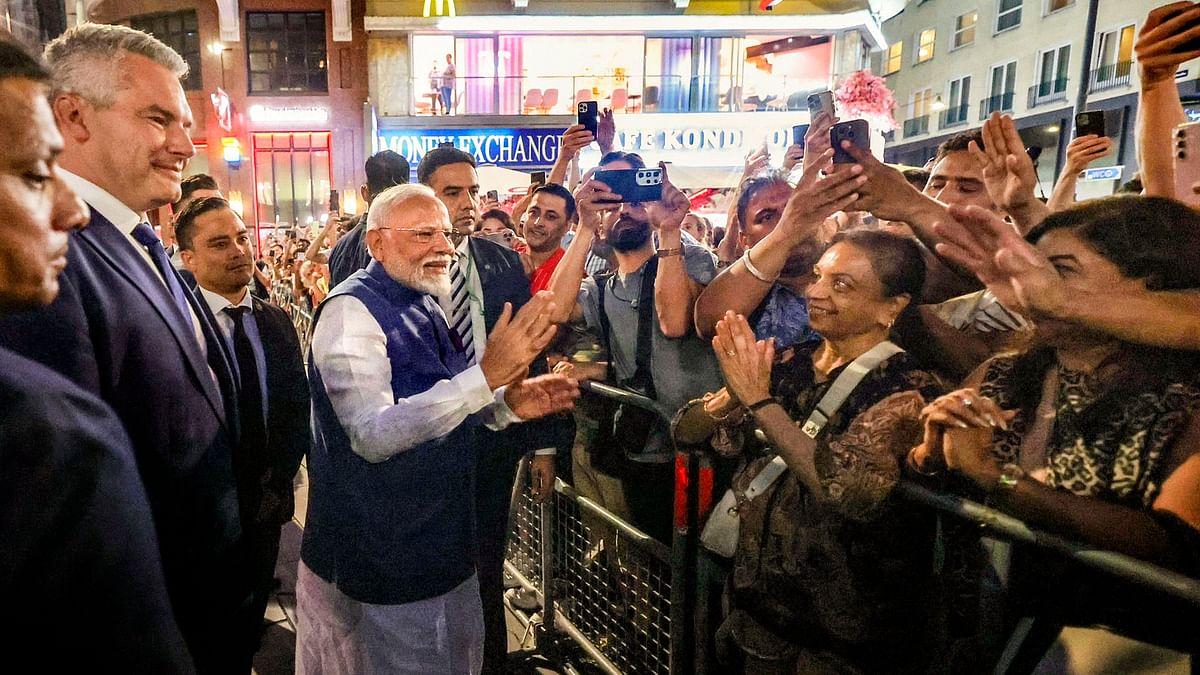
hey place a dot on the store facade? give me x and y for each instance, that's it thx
(277, 91)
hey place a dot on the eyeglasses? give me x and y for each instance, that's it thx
(423, 235)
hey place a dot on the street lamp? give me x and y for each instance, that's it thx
(218, 49)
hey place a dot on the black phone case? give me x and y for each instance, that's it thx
(857, 132)
(589, 116)
(634, 185)
(1091, 122)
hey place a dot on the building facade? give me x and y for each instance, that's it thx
(700, 84)
(952, 63)
(278, 92)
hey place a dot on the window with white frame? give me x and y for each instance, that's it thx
(1004, 82)
(1053, 6)
(1008, 14)
(895, 55)
(925, 44)
(1114, 55)
(1053, 66)
(964, 29)
(922, 103)
(959, 100)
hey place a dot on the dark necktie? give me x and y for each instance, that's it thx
(250, 399)
(144, 235)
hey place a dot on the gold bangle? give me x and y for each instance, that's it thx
(668, 252)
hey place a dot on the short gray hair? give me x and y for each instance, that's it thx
(86, 60)
(393, 199)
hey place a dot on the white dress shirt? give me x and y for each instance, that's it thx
(125, 220)
(350, 350)
(217, 304)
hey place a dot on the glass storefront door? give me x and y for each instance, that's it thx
(292, 178)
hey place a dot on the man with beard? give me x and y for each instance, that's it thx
(387, 581)
(272, 392)
(644, 314)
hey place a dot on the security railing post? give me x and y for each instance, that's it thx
(546, 509)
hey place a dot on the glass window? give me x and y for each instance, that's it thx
(960, 100)
(292, 176)
(925, 43)
(179, 31)
(1114, 57)
(669, 74)
(1008, 14)
(286, 52)
(922, 103)
(895, 55)
(1055, 5)
(779, 73)
(964, 29)
(1053, 70)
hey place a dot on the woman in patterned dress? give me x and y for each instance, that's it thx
(832, 571)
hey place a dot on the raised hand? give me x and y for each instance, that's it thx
(756, 163)
(574, 139)
(745, 362)
(606, 131)
(1008, 172)
(593, 199)
(816, 198)
(1084, 150)
(516, 341)
(668, 213)
(793, 156)
(1021, 278)
(541, 396)
(886, 193)
(1160, 43)
(816, 139)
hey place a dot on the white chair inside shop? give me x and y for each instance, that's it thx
(533, 100)
(549, 100)
(620, 98)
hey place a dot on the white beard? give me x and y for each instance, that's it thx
(418, 279)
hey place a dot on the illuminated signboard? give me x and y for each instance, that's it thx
(514, 148)
(288, 114)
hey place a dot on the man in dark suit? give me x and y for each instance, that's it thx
(124, 328)
(484, 276)
(349, 255)
(273, 398)
(75, 525)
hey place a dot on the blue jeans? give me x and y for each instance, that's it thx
(448, 99)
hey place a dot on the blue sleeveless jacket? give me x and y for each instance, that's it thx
(400, 530)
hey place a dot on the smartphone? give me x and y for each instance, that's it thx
(1190, 46)
(821, 101)
(493, 195)
(634, 185)
(537, 178)
(589, 116)
(1187, 163)
(857, 132)
(1091, 122)
(504, 238)
(334, 203)
(798, 133)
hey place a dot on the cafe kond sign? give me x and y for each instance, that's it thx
(702, 139)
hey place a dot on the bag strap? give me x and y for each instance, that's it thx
(642, 379)
(845, 384)
(829, 404)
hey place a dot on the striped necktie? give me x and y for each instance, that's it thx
(460, 309)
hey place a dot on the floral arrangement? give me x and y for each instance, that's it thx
(864, 95)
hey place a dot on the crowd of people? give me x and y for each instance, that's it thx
(854, 325)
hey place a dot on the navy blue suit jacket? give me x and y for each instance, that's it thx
(111, 332)
(78, 538)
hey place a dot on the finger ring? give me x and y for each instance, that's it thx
(966, 400)
(730, 352)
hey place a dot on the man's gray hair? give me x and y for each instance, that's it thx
(86, 60)
(393, 199)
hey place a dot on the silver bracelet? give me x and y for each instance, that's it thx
(754, 271)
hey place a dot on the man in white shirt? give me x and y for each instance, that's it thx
(273, 390)
(387, 580)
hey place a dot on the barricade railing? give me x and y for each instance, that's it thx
(282, 296)
(635, 605)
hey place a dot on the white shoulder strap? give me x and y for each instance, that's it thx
(845, 384)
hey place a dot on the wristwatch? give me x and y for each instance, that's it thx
(1010, 474)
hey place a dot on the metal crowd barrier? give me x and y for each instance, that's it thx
(282, 296)
(634, 605)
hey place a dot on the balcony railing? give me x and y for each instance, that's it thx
(916, 126)
(954, 116)
(1000, 103)
(1111, 76)
(560, 95)
(1046, 92)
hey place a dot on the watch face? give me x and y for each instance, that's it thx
(1010, 474)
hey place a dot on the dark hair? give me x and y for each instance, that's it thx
(191, 185)
(917, 178)
(441, 156)
(561, 192)
(1133, 186)
(896, 260)
(498, 214)
(384, 170)
(753, 186)
(635, 160)
(185, 224)
(959, 143)
(1149, 238)
(17, 61)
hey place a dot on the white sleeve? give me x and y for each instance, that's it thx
(350, 351)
